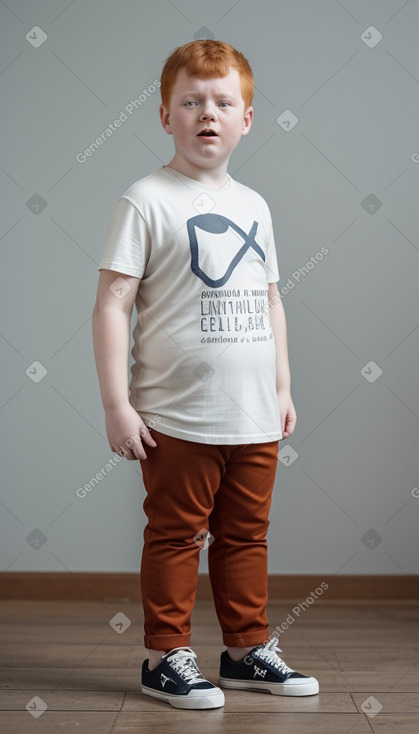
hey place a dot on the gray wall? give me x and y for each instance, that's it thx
(343, 178)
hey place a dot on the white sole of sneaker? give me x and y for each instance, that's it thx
(214, 701)
(308, 688)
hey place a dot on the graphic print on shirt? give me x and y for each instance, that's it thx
(217, 247)
(218, 225)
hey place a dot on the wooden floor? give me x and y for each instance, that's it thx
(67, 657)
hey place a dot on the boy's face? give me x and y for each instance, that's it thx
(198, 104)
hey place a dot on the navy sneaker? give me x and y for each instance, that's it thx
(263, 670)
(178, 680)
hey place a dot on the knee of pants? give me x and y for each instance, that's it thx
(178, 527)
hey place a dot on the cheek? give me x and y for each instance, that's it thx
(182, 129)
(234, 134)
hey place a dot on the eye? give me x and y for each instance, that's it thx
(227, 104)
(190, 102)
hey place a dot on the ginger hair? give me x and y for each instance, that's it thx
(206, 59)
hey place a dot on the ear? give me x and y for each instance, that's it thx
(164, 119)
(247, 120)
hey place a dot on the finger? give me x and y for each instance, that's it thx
(147, 437)
(126, 453)
(139, 451)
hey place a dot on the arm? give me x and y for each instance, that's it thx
(111, 325)
(283, 374)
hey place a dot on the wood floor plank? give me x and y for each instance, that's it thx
(52, 722)
(369, 636)
(212, 722)
(102, 679)
(391, 703)
(71, 656)
(17, 700)
(248, 701)
(393, 724)
(364, 658)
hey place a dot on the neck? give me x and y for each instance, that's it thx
(216, 178)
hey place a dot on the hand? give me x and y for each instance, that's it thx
(287, 413)
(126, 432)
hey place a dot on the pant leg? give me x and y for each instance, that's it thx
(181, 478)
(237, 558)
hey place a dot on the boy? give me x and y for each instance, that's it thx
(194, 250)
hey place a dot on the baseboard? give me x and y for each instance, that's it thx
(75, 585)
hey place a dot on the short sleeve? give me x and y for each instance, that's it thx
(271, 261)
(128, 241)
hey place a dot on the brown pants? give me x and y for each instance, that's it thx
(226, 490)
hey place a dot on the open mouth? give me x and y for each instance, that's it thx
(209, 133)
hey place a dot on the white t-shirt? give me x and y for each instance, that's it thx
(204, 351)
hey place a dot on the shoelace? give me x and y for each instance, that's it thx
(269, 653)
(183, 662)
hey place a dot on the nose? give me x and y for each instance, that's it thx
(208, 112)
